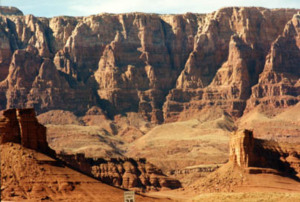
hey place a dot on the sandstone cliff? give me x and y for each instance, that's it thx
(21, 126)
(161, 66)
(257, 155)
(27, 175)
(279, 84)
(226, 61)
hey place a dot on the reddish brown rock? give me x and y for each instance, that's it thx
(294, 160)
(259, 156)
(134, 174)
(9, 129)
(62, 28)
(161, 66)
(278, 84)
(241, 149)
(227, 58)
(254, 163)
(137, 68)
(35, 82)
(28, 175)
(22, 71)
(21, 126)
(5, 51)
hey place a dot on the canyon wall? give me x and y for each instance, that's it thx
(164, 67)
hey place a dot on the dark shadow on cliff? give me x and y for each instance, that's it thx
(270, 155)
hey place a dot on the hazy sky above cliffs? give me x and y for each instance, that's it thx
(51, 8)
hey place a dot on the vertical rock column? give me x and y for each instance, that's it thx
(32, 133)
(21, 126)
(8, 130)
(242, 148)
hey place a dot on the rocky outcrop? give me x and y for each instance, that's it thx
(143, 61)
(21, 126)
(256, 156)
(163, 67)
(241, 149)
(128, 173)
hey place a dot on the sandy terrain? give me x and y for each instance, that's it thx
(186, 143)
(202, 140)
(282, 125)
(234, 184)
(29, 175)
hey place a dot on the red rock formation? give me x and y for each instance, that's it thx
(35, 82)
(241, 149)
(9, 127)
(137, 68)
(161, 66)
(5, 51)
(21, 126)
(226, 61)
(254, 163)
(122, 172)
(257, 155)
(279, 84)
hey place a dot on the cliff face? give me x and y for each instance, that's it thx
(241, 149)
(21, 126)
(228, 58)
(257, 155)
(161, 66)
(279, 83)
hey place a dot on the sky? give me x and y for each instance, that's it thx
(50, 8)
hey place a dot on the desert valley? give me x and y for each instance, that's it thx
(181, 107)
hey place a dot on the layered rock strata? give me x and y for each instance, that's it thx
(228, 58)
(134, 174)
(279, 83)
(257, 155)
(255, 163)
(162, 66)
(241, 149)
(21, 126)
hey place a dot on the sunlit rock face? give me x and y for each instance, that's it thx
(164, 67)
(241, 151)
(279, 83)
